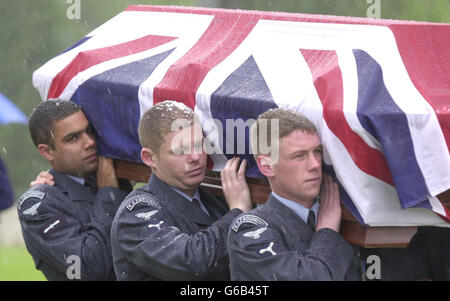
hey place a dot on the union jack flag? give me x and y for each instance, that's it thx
(378, 91)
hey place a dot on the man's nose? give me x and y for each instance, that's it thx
(195, 156)
(314, 162)
(89, 140)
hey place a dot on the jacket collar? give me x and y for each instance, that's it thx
(175, 201)
(74, 190)
(213, 204)
(288, 214)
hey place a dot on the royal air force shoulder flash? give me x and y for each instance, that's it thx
(254, 235)
(146, 200)
(248, 219)
(30, 194)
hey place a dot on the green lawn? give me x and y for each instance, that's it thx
(16, 264)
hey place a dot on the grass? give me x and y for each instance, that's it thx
(16, 264)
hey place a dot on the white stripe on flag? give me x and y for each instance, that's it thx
(377, 202)
(125, 27)
(429, 143)
(83, 76)
(190, 28)
(347, 64)
(212, 81)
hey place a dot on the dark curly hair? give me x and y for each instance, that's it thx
(44, 116)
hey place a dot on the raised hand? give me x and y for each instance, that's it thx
(44, 177)
(330, 205)
(235, 188)
(106, 175)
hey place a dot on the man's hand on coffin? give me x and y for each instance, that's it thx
(106, 175)
(235, 188)
(330, 205)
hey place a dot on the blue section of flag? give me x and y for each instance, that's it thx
(6, 190)
(9, 113)
(243, 95)
(381, 116)
(110, 101)
(345, 198)
(76, 44)
(424, 204)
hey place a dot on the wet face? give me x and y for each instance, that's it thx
(297, 175)
(181, 161)
(75, 149)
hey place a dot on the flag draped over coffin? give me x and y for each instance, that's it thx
(378, 92)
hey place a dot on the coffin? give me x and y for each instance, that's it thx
(377, 91)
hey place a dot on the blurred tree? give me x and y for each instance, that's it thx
(31, 32)
(419, 10)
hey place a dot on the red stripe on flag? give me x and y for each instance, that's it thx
(223, 36)
(89, 58)
(327, 78)
(428, 67)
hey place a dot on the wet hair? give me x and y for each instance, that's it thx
(288, 122)
(43, 118)
(157, 122)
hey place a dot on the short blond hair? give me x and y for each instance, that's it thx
(157, 122)
(288, 121)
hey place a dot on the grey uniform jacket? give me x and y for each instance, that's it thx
(67, 226)
(271, 242)
(158, 234)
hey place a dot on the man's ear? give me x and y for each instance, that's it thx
(265, 165)
(148, 157)
(46, 152)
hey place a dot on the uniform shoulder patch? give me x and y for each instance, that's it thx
(248, 218)
(146, 216)
(147, 199)
(33, 209)
(30, 194)
(255, 234)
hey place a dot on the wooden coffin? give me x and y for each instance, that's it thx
(351, 229)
